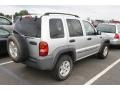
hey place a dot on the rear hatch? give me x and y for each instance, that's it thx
(109, 36)
(107, 30)
(30, 27)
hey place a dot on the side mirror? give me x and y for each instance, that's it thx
(10, 23)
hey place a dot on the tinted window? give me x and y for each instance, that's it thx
(29, 27)
(74, 27)
(106, 28)
(88, 28)
(4, 21)
(118, 28)
(3, 32)
(56, 28)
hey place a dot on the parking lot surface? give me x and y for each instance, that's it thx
(84, 70)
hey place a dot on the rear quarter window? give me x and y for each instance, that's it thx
(56, 28)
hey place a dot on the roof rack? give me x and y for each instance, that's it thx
(48, 13)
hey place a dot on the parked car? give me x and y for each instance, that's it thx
(6, 27)
(111, 31)
(54, 41)
(3, 40)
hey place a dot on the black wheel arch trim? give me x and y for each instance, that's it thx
(65, 51)
(103, 43)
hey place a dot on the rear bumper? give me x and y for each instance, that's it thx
(115, 42)
(45, 63)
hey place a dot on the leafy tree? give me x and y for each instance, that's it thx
(17, 14)
(1, 14)
(21, 13)
(8, 16)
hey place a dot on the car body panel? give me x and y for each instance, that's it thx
(3, 45)
(3, 41)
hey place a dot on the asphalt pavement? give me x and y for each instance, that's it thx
(84, 71)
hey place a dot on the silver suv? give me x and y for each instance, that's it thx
(54, 41)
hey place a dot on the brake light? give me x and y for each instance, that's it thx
(117, 36)
(43, 48)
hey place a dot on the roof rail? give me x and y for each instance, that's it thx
(48, 13)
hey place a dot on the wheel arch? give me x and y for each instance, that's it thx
(105, 41)
(68, 51)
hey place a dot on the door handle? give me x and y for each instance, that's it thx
(72, 40)
(89, 38)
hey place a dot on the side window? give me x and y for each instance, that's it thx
(118, 28)
(74, 27)
(4, 21)
(56, 28)
(3, 32)
(88, 28)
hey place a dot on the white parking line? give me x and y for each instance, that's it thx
(6, 63)
(91, 81)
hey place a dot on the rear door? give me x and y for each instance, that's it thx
(76, 37)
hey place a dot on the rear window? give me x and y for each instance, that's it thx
(106, 28)
(29, 27)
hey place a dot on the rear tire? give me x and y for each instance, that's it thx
(103, 53)
(63, 68)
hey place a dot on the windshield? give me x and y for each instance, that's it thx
(106, 28)
(28, 26)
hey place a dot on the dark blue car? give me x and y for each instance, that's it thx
(4, 33)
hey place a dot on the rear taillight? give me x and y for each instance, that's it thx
(43, 48)
(117, 36)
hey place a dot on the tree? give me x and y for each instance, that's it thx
(21, 13)
(1, 14)
(8, 16)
